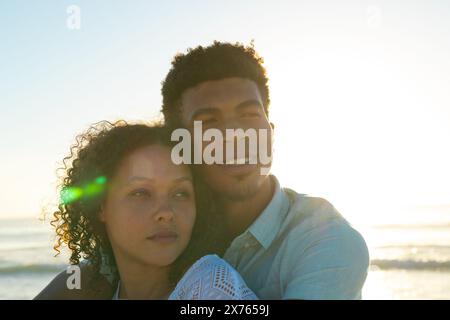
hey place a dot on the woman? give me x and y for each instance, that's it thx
(141, 220)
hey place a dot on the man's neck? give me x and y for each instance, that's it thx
(140, 281)
(239, 215)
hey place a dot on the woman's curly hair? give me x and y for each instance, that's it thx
(92, 162)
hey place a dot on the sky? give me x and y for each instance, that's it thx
(360, 93)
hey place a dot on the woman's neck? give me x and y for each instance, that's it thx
(143, 282)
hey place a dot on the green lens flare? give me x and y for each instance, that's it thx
(72, 194)
(100, 180)
(69, 195)
(93, 189)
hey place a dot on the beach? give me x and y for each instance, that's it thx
(407, 261)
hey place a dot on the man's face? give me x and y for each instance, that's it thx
(232, 103)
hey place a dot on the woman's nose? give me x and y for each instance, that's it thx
(164, 211)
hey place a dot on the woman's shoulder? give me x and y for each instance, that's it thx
(212, 278)
(208, 264)
(209, 260)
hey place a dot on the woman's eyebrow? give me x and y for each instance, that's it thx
(181, 179)
(139, 178)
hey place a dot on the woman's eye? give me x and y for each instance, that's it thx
(140, 194)
(182, 195)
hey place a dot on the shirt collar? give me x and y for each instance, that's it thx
(266, 227)
(117, 293)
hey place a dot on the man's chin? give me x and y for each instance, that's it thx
(242, 187)
(231, 182)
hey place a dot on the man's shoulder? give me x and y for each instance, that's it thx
(315, 218)
(306, 210)
(314, 221)
(321, 255)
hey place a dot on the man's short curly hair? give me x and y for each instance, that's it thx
(218, 61)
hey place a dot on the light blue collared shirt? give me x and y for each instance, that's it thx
(300, 247)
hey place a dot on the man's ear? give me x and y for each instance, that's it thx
(272, 126)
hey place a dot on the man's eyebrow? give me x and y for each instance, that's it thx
(202, 111)
(210, 110)
(248, 103)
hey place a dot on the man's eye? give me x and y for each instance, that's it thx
(208, 121)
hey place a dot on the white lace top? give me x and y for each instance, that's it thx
(210, 278)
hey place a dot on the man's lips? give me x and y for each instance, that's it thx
(241, 161)
(163, 237)
(237, 170)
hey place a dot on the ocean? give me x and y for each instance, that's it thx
(407, 261)
(27, 261)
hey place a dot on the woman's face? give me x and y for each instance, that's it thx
(149, 211)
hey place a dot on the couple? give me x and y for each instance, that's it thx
(150, 229)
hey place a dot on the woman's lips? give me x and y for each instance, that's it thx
(163, 237)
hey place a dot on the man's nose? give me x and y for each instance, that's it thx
(232, 125)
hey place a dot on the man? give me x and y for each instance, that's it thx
(285, 245)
